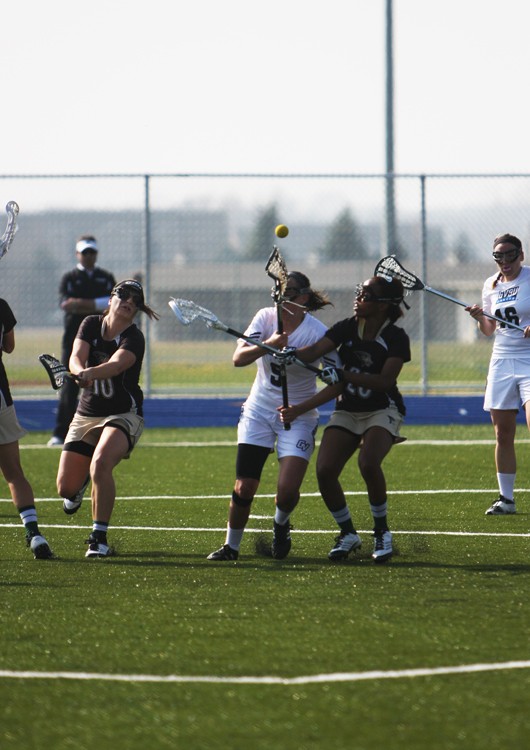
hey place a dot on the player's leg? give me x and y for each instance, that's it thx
(112, 447)
(337, 447)
(504, 424)
(249, 466)
(376, 444)
(23, 499)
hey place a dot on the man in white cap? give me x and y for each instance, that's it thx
(83, 291)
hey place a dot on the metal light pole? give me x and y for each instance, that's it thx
(390, 210)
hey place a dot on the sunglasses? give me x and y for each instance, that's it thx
(507, 257)
(125, 294)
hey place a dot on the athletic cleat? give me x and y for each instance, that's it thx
(71, 505)
(501, 507)
(345, 543)
(224, 553)
(55, 442)
(281, 540)
(99, 549)
(382, 546)
(39, 546)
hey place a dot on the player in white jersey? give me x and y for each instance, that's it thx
(260, 427)
(506, 295)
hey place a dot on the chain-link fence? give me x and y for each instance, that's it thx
(208, 237)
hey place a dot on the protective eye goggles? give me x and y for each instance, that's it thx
(291, 292)
(365, 294)
(507, 256)
(124, 294)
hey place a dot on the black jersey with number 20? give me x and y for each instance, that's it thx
(369, 357)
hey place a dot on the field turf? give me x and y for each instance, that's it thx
(160, 648)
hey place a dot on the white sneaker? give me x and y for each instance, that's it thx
(501, 507)
(345, 543)
(54, 442)
(40, 547)
(71, 505)
(382, 546)
(98, 549)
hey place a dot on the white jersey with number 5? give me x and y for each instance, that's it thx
(266, 392)
(509, 300)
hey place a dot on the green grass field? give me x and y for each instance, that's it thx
(194, 367)
(159, 648)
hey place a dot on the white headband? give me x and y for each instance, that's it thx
(86, 245)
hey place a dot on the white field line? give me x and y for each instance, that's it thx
(450, 491)
(222, 529)
(269, 679)
(233, 443)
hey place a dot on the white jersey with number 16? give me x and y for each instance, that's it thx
(509, 300)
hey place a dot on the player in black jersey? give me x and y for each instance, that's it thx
(10, 433)
(369, 408)
(106, 360)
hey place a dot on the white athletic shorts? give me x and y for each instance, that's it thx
(508, 384)
(266, 429)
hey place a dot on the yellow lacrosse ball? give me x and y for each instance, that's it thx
(281, 231)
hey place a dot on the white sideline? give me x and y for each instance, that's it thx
(268, 680)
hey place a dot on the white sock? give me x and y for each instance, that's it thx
(234, 537)
(506, 485)
(281, 517)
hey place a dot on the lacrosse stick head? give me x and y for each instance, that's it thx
(186, 311)
(57, 372)
(12, 210)
(390, 267)
(277, 270)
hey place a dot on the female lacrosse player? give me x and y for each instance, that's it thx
(260, 426)
(369, 408)
(506, 295)
(10, 434)
(106, 360)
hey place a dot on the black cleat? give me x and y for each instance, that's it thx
(224, 553)
(281, 541)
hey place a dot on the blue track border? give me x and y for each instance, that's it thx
(39, 415)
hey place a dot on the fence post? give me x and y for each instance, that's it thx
(423, 301)
(146, 281)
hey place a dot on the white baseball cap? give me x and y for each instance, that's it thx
(82, 245)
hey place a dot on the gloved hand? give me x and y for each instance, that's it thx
(287, 355)
(331, 375)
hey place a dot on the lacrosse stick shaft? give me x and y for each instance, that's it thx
(464, 304)
(266, 347)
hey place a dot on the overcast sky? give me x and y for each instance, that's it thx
(122, 86)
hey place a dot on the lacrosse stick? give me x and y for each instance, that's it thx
(277, 270)
(187, 311)
(390, 266)
(11, 227)
(57, 372)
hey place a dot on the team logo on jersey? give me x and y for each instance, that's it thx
(365, 359)
(303, 445)
(508, 295)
